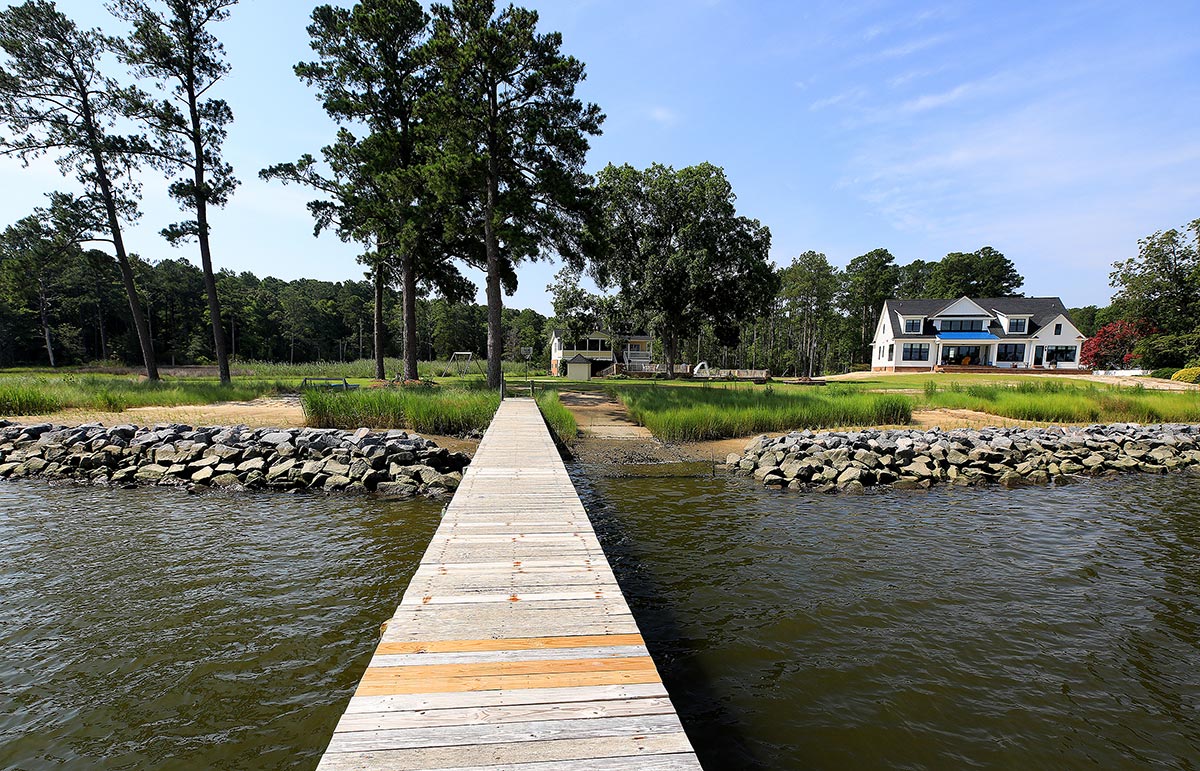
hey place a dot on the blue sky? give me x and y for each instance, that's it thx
(1058, 133)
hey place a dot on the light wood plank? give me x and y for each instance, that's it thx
(513, 646)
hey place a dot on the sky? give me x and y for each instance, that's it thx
(1059, 133)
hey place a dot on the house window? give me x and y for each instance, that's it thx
(1056, 353)
(960, 325)
(915, 352)
(1058, 331)
(1016, 325)
(1010, 352)
(880, 354)
(912, 325)
(891, 353)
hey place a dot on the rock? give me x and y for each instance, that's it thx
(400, 489)
(226, 480)
(150, 474)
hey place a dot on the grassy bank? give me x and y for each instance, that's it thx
(698, 414)
(432, 411)
(44, 395)
(1056, 402)
(558, 417)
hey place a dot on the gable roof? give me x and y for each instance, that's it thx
(1040, 310)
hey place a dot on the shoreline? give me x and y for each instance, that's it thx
(395, 463)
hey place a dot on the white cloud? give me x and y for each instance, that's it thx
(664, 116)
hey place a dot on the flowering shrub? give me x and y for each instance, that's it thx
(1112, 346)
(1189, 375)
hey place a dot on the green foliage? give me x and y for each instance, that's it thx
(1162, 284)
(870, 279)
(680, 254)
(512, 138)
(1187, 375)
(696, 414)
(436, 411)
(983, 273)
(558, 417)
(1164, 373)
(38, 395)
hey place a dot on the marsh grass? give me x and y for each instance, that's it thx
(698, 414)
(1057, 402)
(558, 417)
(43, 395)
(364, 369)
(426, 410)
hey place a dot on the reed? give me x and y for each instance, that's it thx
(698, 414)
(1056, 402)
(425, 410)
(558, 417)
(48, 394)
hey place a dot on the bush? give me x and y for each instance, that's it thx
(1189, 375)
(1164, 373)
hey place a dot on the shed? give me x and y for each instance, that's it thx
(579, 367)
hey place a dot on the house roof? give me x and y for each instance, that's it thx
(579, 358)
(1040, 310)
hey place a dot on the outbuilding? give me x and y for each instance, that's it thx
(579, 367)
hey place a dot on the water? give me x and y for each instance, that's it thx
(963, 628)
(1040, 628)
(150, 629)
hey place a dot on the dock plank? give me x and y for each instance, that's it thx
(513, 646)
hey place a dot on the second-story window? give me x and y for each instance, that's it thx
(1016, 325)
(1058, 329)
(912, 325)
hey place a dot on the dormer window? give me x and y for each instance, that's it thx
(1016, 325)
(958, 325)
(912, 325)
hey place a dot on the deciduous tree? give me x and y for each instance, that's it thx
(674, 245)
(1162, 284)
(983, 273)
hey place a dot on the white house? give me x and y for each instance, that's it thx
(1000, 332)
(597, 347)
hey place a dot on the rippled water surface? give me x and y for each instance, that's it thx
(150, 629)
(1033, 629)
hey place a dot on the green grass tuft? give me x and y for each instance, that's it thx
(432, 411)
(699, 414)
(38, 395)
(558, 417)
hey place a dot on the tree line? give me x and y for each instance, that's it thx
(68, 308)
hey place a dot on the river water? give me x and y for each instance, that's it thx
(150, 629)
(1043, 628)
(981, 628)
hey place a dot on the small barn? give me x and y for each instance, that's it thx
(579, 367)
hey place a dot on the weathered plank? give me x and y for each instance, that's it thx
(513, 647)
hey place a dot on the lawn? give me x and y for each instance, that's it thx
(1053, 401)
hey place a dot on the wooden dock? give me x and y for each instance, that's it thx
(513, 648)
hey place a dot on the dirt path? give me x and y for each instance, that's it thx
(266, 412)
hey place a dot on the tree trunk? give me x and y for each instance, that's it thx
(44, 315)
(672, 350)
(114, 228)
(495, 299)
(409, 280)
(103, 333)
(380, 281)
(210, 279)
